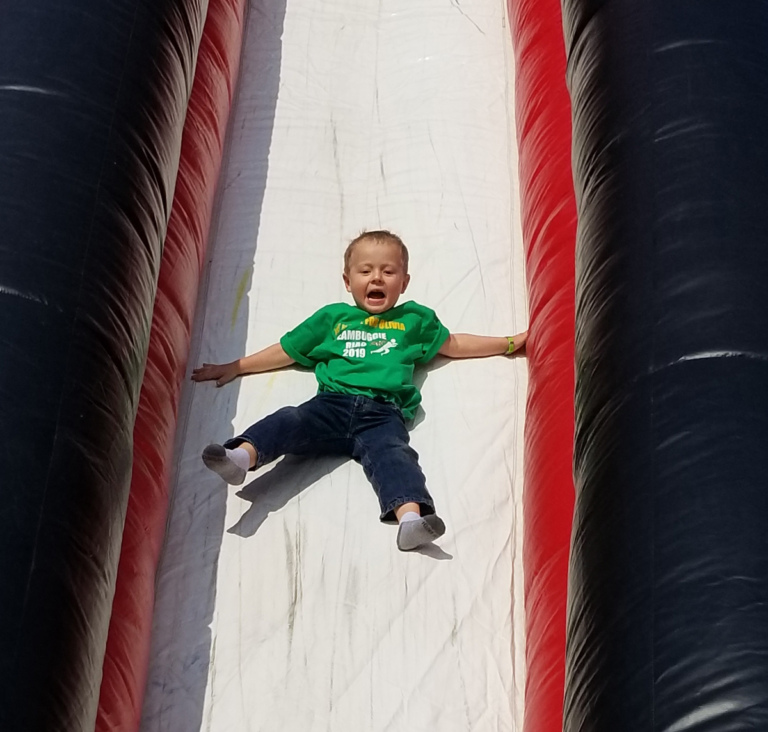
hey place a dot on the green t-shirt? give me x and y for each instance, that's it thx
(354, 352)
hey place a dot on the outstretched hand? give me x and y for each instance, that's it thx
(520, 340)
(222, 373)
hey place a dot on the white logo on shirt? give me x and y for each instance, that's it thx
(385, 349)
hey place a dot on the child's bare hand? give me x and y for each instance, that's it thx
(222, 373)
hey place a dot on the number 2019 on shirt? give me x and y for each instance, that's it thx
(354, 352)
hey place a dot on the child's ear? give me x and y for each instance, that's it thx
(405, 283)
(345, 277)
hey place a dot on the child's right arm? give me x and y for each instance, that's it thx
(268, 359)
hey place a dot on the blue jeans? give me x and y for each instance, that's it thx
(370, 431)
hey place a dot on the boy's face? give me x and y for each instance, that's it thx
(376, 276)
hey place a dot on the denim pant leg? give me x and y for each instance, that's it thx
(320, 426)
(391, 464)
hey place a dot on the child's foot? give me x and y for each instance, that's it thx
(231, 465)
(418, 532)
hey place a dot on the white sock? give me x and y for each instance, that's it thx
(409, 516)
(416, 533)
(240, 457)
(219, 460)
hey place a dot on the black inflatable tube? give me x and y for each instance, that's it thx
(92, 103)
(667, 627)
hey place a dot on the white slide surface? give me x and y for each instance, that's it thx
(284, 604)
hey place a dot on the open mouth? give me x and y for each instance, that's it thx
(376, 296)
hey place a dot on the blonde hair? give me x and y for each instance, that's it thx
(381, 236)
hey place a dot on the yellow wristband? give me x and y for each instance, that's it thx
(511, 341)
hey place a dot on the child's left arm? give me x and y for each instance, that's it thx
(465, 345)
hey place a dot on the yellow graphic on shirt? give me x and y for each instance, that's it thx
(375, 322)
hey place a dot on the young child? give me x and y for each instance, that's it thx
(363, 356)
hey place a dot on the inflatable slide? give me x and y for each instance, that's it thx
(179, 182)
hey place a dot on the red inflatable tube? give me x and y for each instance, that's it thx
(549, 232)
(127, 655)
